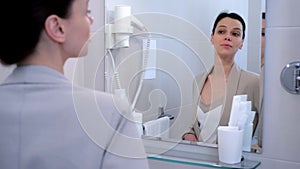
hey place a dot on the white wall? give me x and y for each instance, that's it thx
(199, 13)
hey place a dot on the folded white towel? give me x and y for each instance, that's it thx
(157, 128)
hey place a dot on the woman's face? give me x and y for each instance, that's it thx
(78, 29)
(227, 38)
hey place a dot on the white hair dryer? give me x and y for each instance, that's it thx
(118, 33)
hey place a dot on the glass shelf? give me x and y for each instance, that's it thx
(196, 154)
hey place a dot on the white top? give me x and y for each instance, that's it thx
(209, 122)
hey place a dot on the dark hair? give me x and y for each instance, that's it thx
(263, 15)
(229, 15)
(23, 27)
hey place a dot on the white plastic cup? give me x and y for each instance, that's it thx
(230, 142)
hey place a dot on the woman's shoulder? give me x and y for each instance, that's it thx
(99, 97)
(250, 78)
(249, 74)
(244, 72)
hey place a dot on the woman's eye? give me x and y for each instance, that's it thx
(221, 32)
(89, 11)
(236, 34)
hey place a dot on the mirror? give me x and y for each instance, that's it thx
(157, 65)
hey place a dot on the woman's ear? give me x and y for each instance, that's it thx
(55, 29)
(241, 45)
(212, 39)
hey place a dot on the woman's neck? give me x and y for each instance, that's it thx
(222, 67)
(49, 59)
(47, 54)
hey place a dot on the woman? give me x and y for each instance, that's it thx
(224, 80)
(45, 120)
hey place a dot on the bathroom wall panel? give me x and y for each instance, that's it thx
(281, 109)
(284, 13)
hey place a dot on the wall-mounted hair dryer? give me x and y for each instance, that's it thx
(118, 33)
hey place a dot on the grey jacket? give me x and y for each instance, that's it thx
(47, 123)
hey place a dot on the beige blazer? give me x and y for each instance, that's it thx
(239, 82)
(261, 96)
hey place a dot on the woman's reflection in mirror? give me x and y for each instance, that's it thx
(214, 90)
